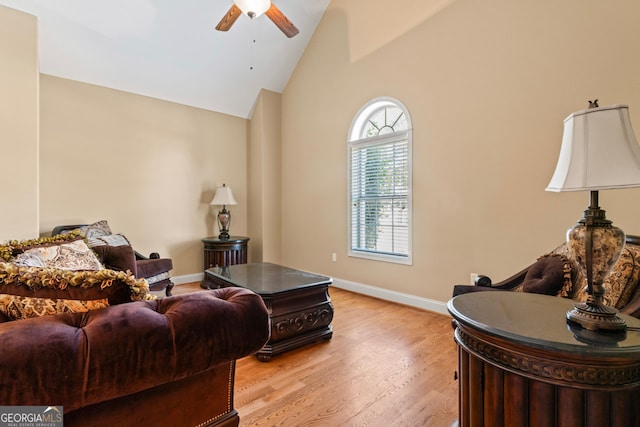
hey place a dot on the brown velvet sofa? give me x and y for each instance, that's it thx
(163, 362)
(557, 273)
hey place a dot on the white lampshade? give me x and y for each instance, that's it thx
(599, 151)
(253, 8)
(223, 196)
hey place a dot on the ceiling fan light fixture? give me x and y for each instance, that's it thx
(253, 8)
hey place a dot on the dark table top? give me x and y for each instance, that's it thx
(540, 321)
(266, 278)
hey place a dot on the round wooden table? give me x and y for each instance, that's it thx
(521, 363)
(223, 252)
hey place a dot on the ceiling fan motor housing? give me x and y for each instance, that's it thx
(253, 8)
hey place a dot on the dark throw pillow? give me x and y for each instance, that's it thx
(120, 258)
(547, 275)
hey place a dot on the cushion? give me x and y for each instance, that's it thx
(16, 307)
(547, 275)
(619, 284)
(14, 247)
(54, 283)
(567, 289)
(73, 255)
(99, 234)
(109, 239)
(621, 281)
(121, 258)
(97, 229)
(158, 278)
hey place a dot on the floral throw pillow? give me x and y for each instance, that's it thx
(73, 255)
(619, 284)
(97, 229)
(621, 281)
(109, 240)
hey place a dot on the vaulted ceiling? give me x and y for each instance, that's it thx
(169, 49)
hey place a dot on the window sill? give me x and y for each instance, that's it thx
(405, 260)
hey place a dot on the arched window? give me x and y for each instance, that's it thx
(380, 182)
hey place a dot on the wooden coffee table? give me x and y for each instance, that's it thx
(300, 309)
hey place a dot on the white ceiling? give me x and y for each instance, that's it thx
(169, 49)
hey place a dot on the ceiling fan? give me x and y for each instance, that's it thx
(253, 9)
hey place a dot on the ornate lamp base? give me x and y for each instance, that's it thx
(596, 245)
(595, 316)
(224, 220)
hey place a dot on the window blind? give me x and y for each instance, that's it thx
(379, 195)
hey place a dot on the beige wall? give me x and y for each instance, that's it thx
(264, 166)
(488, 85)
(149, 167)
(18, 124)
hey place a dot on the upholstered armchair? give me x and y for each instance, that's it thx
(557, 273)
(116, 253)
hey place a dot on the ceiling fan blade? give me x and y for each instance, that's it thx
(281, 21)
(227, 21)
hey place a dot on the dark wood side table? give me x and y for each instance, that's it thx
(221, 253)
(521, 364)
(300, 309)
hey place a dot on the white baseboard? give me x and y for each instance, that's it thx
(187, 278)
(393, 296)
(372, 291)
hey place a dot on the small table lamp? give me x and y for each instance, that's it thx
(599, 152)
(223, 197)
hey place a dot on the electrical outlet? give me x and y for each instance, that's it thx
(334, 257)
(472, 278)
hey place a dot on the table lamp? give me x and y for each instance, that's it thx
(599, 152)
(223, 197)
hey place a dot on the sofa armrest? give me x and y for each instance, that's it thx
(78, 359)
(484, 283)
(482, 280)
(152, 255)
(506, 284)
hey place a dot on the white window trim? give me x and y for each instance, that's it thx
(354, 135)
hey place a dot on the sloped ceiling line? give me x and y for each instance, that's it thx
(170, 50)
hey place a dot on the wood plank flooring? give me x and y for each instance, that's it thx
(386, 365)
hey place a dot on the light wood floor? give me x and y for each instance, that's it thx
(386, 365)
